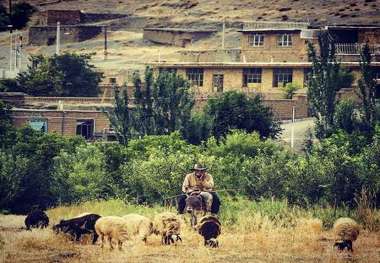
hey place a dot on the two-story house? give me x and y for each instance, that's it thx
(271, 54)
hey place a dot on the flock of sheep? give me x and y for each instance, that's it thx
(119, 229)
(166, 224)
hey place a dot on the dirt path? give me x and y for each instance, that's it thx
(300, 131)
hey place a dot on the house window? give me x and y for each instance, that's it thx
(217, 82)
(251, 75)
(284, 40)
(306, 76)
(38, 125)
(282, 76)
(256, 40)
(195, 76)
(85, 128)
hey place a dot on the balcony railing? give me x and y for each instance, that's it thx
(355, 48)
(274, 25)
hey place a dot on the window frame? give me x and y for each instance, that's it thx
(283, 74)
(284, 40)
(252, 75)
(219, 89)
(195, 76)
(45, 125)
(256, 40)
(81, 134)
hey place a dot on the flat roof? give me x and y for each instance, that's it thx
(270, 30)
(348, 27)
(50, 110)
(184, 30)
(244, 64)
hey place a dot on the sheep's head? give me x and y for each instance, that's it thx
(213, 242)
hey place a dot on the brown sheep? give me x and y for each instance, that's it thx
(346, 230)
(112, 227)
(168, 226)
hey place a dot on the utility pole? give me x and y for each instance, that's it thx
(105, 43)
(58, 38)
(223, 31)
(292, 129)
(10, 49)
(10, 16)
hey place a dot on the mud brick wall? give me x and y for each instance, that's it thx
(46, 35)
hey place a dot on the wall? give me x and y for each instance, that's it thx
(61, 122)
(65, 17)
(175, 37)
(46, 35)
(233, 80)
(270, 51)
(227, 55)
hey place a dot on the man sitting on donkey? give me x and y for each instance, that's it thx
(201, 182)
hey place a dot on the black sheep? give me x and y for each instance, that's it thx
(79, 226)
(210, 228)
(36, 219)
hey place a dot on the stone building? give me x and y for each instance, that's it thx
(271, 54)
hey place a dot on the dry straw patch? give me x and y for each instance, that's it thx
(251, 238)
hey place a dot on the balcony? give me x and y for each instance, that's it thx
(355, 48)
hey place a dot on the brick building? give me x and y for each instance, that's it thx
(68, 116)
(271, 54)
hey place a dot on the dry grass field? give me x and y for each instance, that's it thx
(250, 239)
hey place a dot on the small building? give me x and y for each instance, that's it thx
(47, 35)
(175, 36)
(65, 17)
(68, 116)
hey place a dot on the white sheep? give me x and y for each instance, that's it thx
(139, 225)
(346, 231)
(112, 227)
(168, 226)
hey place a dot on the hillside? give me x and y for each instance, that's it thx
(127, 50)
(189, 11)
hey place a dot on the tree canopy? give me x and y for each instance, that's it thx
(60, 75)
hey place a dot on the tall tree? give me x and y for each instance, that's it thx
(326, 79)
(60, 75)
(121, 118)
(143, 102)
(161, 106)
(367, 88)
(172, 102)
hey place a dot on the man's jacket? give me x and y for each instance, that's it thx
(193, 183)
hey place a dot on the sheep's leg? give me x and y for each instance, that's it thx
(349, 246)
(102, 237)
(110, 240)
(120, 244)
(95, 238)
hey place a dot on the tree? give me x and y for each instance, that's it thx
(143, 101)
(235, 110)
(60, 75)
(172, 103)
(367, 89)
(121, 117)
(21, 12)
(161, 106)
(7, 131)
(326, 79)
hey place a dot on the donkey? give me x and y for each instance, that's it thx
(195, 205)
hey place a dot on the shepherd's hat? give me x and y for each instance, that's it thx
(199, 167)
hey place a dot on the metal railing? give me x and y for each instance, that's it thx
(355, 48)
